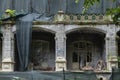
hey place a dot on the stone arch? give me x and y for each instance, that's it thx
(43, 36)
(38, 27)
(100, 30)
(45, 28)
(77, 54)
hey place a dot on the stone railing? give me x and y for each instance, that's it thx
(79, 18)
(63, 18)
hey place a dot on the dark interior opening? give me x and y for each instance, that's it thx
(42, 51)
(84, 47)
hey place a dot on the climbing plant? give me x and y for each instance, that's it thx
(114, 12)
(11, 12)
(88, 4)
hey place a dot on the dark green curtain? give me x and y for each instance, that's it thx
(51, 7)
(23, 35)
(5, 4)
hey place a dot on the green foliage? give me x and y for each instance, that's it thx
(88, 4)
(115, 13)
(8, 14)
(11, 12)
(0, 22)
(119, 59)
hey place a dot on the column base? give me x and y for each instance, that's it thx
(60, 64)
(113, 62)
(7, 65)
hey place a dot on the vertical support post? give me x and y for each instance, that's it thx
(60, 39)
(107, 51)
(111, 51)
(7, 50)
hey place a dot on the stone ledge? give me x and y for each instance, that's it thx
(113, 59)
(7, 60)
(60, 59)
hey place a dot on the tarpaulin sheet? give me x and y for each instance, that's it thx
(23, 35)
(115, 74)
(37, 75)
(51, 7)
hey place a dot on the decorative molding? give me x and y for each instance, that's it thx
(80, 18)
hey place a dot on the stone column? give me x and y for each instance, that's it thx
(7, 49)
(107, 51)
(111, 51)
(60, 39)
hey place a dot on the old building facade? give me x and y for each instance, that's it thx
(72, 44)
(62, 38)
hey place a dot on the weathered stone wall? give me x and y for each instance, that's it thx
(60, 31)
(108, 30)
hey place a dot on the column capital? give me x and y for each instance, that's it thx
(60, 35)
(64, 37)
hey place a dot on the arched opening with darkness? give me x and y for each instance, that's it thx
(85, 48)
(42, 51)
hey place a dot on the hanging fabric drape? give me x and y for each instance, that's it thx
(23, 35)
(51, 7)
(4, 4)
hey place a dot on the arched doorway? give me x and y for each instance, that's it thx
(43, 50)
(85, 47)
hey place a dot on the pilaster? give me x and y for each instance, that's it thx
(60, 39)
(111, 51)
(7, 50)
(107, 52)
